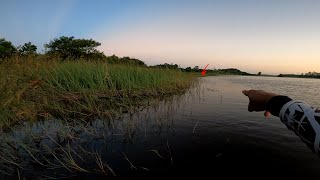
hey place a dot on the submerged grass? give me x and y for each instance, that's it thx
(59, 149)
(35, 88)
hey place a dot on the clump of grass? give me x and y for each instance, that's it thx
(83, 76)
(34, 88)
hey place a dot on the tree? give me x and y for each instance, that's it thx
(259, 73)
(69, 47)
(6, 49)
(128, 60)
(188, 69)
(27, 49)
(113, 59)
(124, 60)
(168, 66)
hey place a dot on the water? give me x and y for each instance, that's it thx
(207, 132)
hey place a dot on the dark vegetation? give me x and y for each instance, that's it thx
(229, 71)
(64, 49)
(212, 72)
(73, 80)
(306, 75)
(74, 85)
(69, 47)
(6, 49)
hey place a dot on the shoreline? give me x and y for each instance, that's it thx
(35, 90)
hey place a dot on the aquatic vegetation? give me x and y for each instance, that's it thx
(62, 149)
(38, 88)
(82, 108)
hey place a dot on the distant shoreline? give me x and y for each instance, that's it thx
(263, 75)
(232, 71)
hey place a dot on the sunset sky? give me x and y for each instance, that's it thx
(269, 36)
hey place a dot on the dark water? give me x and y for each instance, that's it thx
(206, 133)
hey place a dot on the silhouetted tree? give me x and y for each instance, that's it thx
(306, 75)
(166, 65)
(124, 60)
(259, 73)
(69, 47)
(6, 49)
(232, 71)
(134, 61)
(188, 69)
(113, 59)
(27, 49)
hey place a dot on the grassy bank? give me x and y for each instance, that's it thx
(35, 89)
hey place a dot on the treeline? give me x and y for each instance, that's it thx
(168, 66)
(71, 48)
(231, 71)
(63, 48)
(228, 71)
(306, 75)
(7, 49)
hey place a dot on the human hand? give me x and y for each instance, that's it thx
(258, 100)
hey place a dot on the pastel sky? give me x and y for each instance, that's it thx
(280, 36)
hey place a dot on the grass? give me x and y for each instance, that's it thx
(61, 149)
(58, 149)
(36, 88)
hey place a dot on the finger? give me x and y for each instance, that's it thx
(245, 92)
(267, 114)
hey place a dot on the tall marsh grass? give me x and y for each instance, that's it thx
(85, 76)
(35, 88)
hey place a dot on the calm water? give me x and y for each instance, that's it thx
(207, 132)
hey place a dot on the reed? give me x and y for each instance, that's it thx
(56, 149)
(37, 88)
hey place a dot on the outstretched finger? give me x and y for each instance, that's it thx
(267, 114)
(245, 92)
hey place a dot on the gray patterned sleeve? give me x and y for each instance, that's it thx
(304, 120)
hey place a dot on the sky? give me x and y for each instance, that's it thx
(268, 36)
